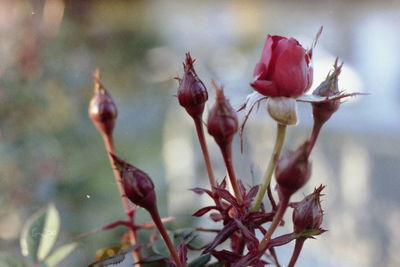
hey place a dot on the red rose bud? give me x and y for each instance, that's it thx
(284, 68)
(222, 123)
(293, 170)
(308, 214)
(322, 111)
(192, 94)
(137, 185)
(102, 110)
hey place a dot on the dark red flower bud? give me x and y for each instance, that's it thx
(192, 94)
(102, 110)
(138, 186)
(222, 123)
(308, 214)
(322, 111)
(293, 170)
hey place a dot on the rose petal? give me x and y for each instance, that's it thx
(260, 71)
(280, 45)
(267, 50)
(266, 88)
(290, 72)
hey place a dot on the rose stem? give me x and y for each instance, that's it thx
(161, 228)
(280, 138)
(200, 134)
(296, 252)
(314, 135)
(128, 208)
(277, 219)
(227, 155)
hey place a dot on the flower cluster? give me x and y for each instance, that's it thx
(283, 76)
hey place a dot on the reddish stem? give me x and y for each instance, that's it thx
(296, 252)
(161, 228)
(277, 219)
(200, 134)
(271, 197)
(227, 155)
(314, 135)
(128, 207)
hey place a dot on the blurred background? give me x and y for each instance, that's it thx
(51, 152)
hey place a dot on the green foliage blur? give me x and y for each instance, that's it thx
(49, 149)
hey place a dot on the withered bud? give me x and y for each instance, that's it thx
(192, 94)
(322, 111)
(222, 123)
(308, 214)
(283, 110)
(138, 186)
(102, 109)
(293, 170)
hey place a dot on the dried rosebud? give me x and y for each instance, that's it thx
(308, 214)
(222, 123)
(284, 68)
(293, 170)
(322, 111)
(283, 110)
(102, 109)
(137, 185)
(192, 94)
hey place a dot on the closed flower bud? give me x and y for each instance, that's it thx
(222, 123)
(283, 110)
(138, 186)
(192, 94)
(293, 170)
(308, 214)
(284, 68)
(322, 111)
(102, 109)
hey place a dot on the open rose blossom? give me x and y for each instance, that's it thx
(284, 68)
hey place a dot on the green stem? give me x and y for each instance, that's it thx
(277, 219)
(280, 138)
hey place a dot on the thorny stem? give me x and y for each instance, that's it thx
(277, 219)
(280, 138)
(200, 134)
(296, 252)
(227, 155)
(128, 208)
(160, 226)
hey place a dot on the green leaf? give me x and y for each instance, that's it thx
(185, 235)
(154, 258)
(115, 259)
(159, 246)
(40, 233)
(200, 261)
(10, 261)
(216, 264)
(61, 253)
